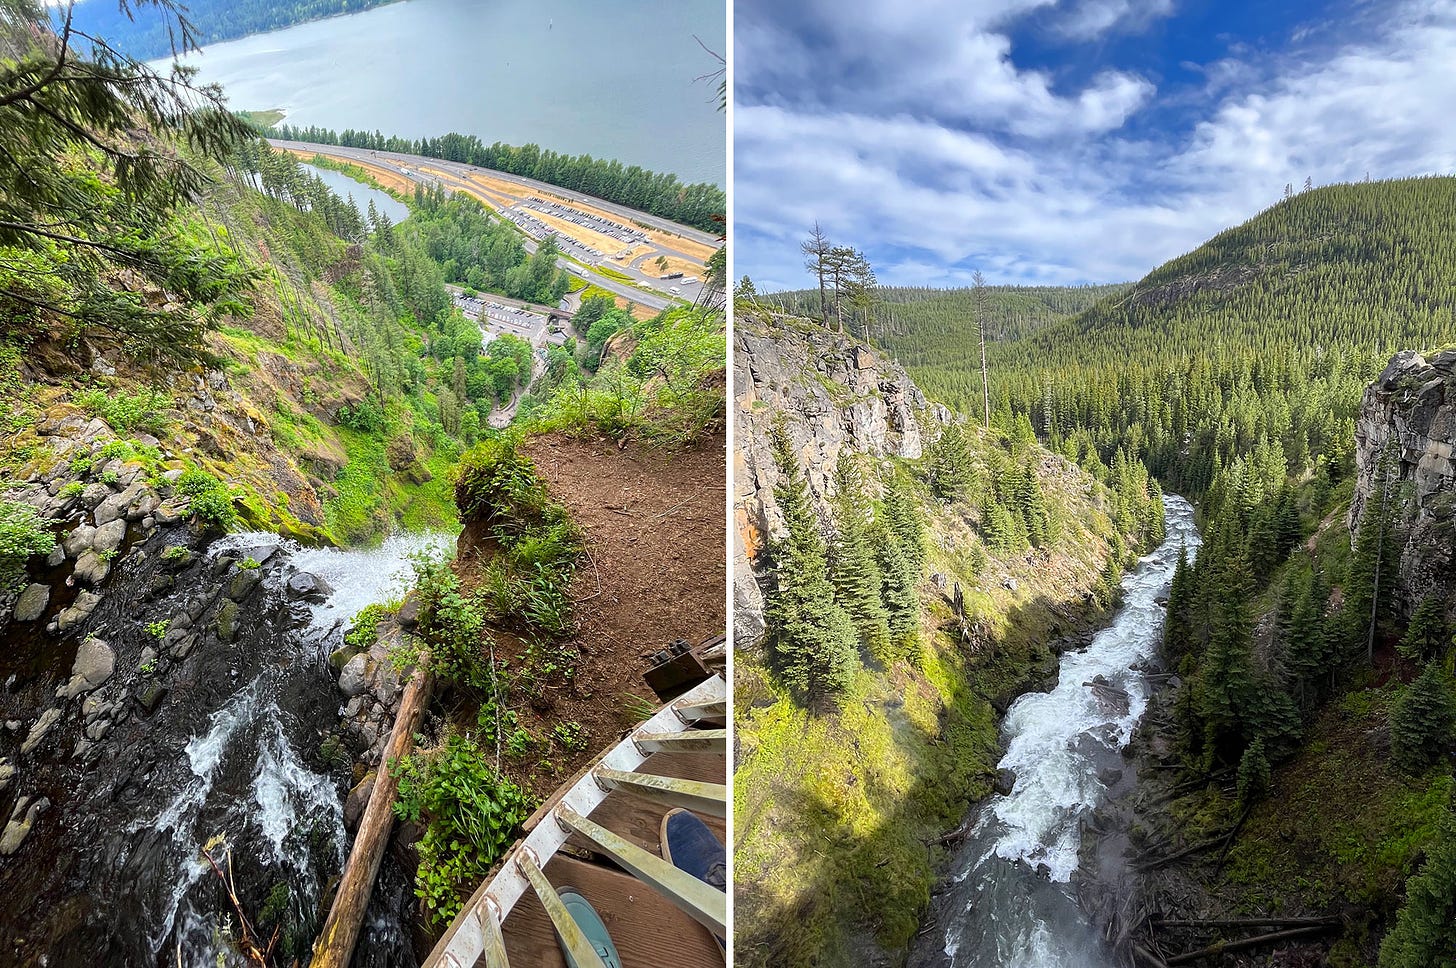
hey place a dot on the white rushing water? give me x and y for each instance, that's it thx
(359, 577)
(1013, 885)
(243, 777)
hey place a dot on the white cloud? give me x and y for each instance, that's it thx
(1058, 192)
(1093, 18)
(936, 58)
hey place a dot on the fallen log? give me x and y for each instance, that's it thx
(335, 945)
(1242, 922)
(1148, 956)
(1258, 939)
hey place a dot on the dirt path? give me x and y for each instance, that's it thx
(654, 571)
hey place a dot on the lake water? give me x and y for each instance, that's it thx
(346, 187)
(614, 80)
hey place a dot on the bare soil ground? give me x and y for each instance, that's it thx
(653, 572)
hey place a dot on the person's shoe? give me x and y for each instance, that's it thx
(689, 845)
(590, 922)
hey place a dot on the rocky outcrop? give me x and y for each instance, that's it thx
(370, 681)
(1407, 427)
(832, 393)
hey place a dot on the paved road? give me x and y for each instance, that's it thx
(451, 174)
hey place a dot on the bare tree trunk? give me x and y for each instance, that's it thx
(335, 945)
(1379, 560)
(979, 283)
(985, 379)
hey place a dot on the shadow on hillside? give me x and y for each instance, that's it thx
(870, 897)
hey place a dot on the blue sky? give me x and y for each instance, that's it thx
(1065, 141)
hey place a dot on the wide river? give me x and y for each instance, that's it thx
(613, 80)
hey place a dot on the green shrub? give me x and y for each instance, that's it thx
(529, 582)
(471, 815)
(145, 410)
(23, 533)
(158, 630)
(212, 502)
(365, 630)
(453, 625)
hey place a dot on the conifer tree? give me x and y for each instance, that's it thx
(853, 569)
(950, 464)
(811, 641)
(1253, 775)
(1422, 721)
(1427, 633)
(905, 521)
(1425, 929)
(1178, 626)
(901, 595)
(1369, 594)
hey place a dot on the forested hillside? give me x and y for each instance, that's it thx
(925, 328)
(903, 575)
(1299, 761)
(148, 32)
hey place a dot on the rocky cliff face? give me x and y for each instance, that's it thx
(832, 392)
(1408, 416)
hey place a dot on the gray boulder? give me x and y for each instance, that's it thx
(79, 611)
(79, 540)
(91, 568)
(93, 495)
(32, 603)
(355, 677)
(243, 583)
(227, 622)
(19, 828)
(95, 663)
(310, 588)
(40, 730)
(109, 536)
(358, 800)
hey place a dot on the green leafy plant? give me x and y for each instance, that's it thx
(108, 555)
(212, 502)
(176, 553)
(471, 814)
(145, 410)
(72, 489)
(365, 630)
(249, 563)
(571, 736)
(158, 630)
(23, 533)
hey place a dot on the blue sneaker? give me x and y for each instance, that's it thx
(688, 844)
(590, 922)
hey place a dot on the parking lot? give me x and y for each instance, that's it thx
(497, 318)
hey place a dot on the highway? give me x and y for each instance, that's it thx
(452, 174)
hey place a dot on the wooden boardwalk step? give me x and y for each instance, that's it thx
(647, 929)
(703, 798)
(688, 741)
(639, 820)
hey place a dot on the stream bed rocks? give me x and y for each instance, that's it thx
(162, 688)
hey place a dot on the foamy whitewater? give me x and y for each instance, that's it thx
(1012, 885)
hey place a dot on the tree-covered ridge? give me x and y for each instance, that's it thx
(699, 205)
(921, 324)
(149, 33)
(1269, 332)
